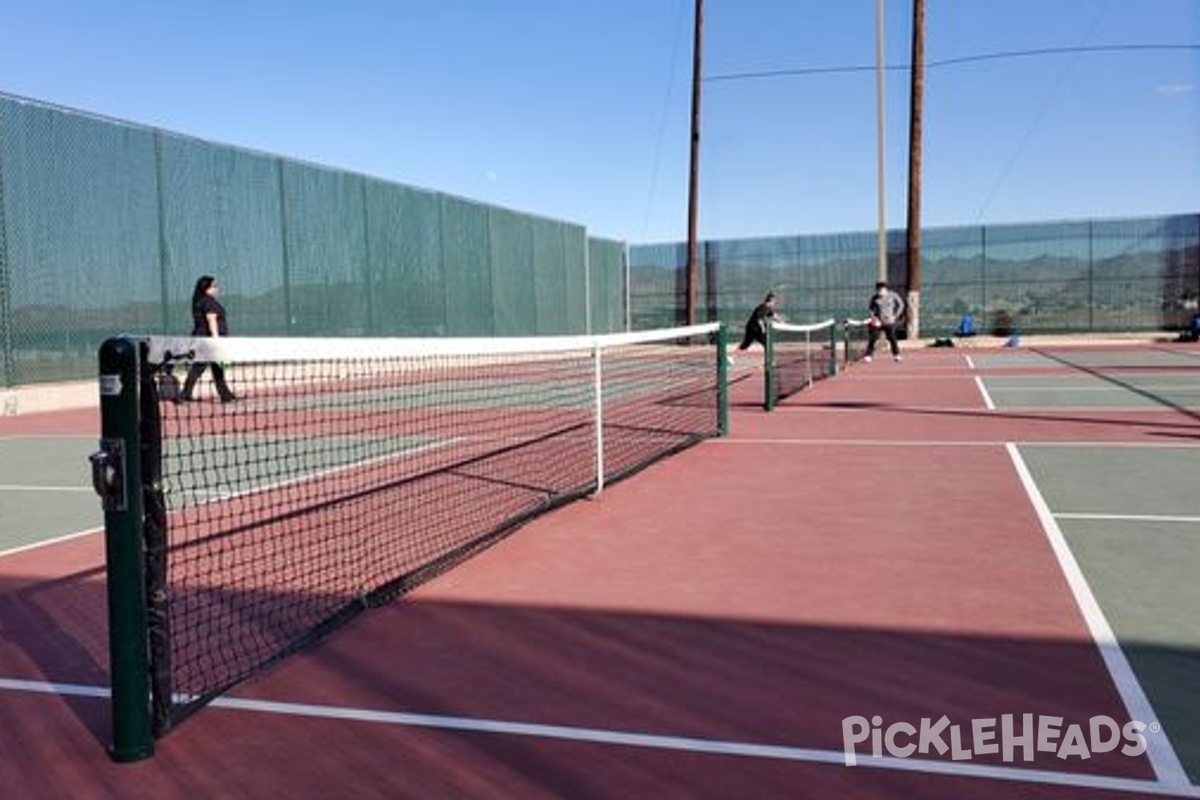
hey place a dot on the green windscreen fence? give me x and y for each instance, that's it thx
(1139, 274)
(325, 251)
(81, 240)
(219, 212)
(657, 285)
(409, 289)
(606, 284)
(105, 227)
(512, 238)
(466, 267)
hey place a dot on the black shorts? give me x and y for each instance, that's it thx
(752, 335)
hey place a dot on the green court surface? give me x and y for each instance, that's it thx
(1139, 390)
(45, 489)
(1131, 517)
(279, 461)
(1097, 358)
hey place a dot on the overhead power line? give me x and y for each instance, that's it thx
(949, 62)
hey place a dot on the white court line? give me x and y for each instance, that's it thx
(60, 689)
(14, 487)
(1118, 445)
(48, 542)
(1147, 408)
(217, 497)
(987, 398)
(1100, 388)
(1129, 517)
(856, 443)
(689, 744)
(1159, 750)
(1068, 443)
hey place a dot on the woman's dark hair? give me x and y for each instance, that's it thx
(202, 287)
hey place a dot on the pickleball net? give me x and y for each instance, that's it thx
(797, 356)
(855, 335)
(345, 473)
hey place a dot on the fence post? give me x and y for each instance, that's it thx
(983, 275)
(8, 374)
(284, 249)
(1091, 276)
(164, 253)
(833, 358)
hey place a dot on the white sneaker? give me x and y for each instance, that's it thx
(729, 361)
(868, 359)
(897, 358)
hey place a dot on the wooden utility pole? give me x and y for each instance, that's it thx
(915, 113)
(694, 168)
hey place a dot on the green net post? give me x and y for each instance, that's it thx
(116, 474)
(769, 370)
(833, 350)
(722, 380)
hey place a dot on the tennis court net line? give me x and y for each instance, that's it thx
(345, 473)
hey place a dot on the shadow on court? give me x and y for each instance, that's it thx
(740, 683)
(1112, 377)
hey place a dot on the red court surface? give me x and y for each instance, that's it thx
(702, 630)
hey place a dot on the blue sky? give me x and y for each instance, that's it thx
(579, 109)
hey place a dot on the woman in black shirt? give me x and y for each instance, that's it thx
(208, 319)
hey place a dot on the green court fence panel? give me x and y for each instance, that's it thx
(466, 266)
(657, 285)
(952, 278)
(105, 227)
(512, 269)
(325, 252)
(406, 260)
(576, 303)
(550, 282)
(220, 215)
(81, 239)
(1140, 274)
(813, 277)
(606, 285)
